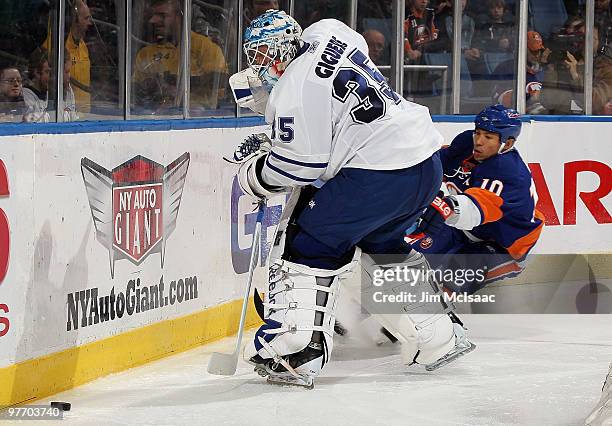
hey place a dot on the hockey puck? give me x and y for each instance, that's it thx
(64, 406)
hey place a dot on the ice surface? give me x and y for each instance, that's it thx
(527, 370)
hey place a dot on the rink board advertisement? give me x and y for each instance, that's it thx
(102, 234)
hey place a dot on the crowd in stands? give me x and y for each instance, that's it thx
(91, 74)
(555, 59)
(489, 29)
(157, 78)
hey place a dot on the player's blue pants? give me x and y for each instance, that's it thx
(451, 251)
(368, 208)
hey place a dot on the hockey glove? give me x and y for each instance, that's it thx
(248, 91)
(251, 155)
(250, 180)
(432, 220)
(250, 147)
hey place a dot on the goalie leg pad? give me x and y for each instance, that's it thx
(297, 338)
(425, 330)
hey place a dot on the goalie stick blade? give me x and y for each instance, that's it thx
(223, 364)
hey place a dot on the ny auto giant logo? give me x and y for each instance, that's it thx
(135, 206)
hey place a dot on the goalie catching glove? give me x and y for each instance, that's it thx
(253, 145)
(431, 221)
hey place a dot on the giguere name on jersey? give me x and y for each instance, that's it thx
(330, 57)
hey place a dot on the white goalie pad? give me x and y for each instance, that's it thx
(299, 300)
(424, 329)
(249, 91)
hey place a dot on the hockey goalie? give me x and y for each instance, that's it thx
(361, 164)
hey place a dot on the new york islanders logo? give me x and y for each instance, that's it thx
(135, 206)
(426, 243)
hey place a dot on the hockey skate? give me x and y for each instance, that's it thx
(462, 346)
(602, 413)
(294, 370)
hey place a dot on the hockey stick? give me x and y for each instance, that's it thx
(225, 364)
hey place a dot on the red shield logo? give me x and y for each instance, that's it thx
(135, 207)
(137, 219)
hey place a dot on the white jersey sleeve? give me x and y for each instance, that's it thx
(333, 109)
(301, 131)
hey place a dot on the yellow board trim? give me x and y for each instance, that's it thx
(60, 371)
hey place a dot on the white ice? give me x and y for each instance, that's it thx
(526, 370)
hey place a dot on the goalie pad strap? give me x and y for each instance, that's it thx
(292, 328)
(277, 358)
(296, 305)
(292, 286)
(285, 266)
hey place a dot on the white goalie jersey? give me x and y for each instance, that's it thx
(333, 109)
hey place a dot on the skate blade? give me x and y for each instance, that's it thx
(303, 382)
(451, 356)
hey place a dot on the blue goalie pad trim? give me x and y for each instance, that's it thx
(269, 325)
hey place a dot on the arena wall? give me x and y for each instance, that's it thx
(122, 245)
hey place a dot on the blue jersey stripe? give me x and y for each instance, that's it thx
(298, 163)
(286, 174)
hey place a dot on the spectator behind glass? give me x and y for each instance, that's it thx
(495, 29)
(442, 8)
(373, 9)
(254, 8)
(80, 22)
(70, 105)
(419, 30)
(310, 11)
(376, 46)
(603, 19)
(35, 92)
(602, 81)
(156, 70)
(12, 106)
(564, 76)
(537, 59)
(445, 37)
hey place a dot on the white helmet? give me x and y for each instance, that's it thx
(280, 34)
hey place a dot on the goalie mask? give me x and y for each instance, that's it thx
(270, 44)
